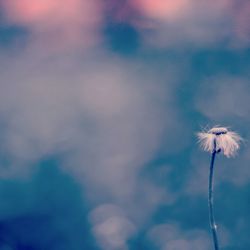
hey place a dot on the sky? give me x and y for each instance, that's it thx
(100, 103)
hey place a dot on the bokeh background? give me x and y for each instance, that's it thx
(99, 105)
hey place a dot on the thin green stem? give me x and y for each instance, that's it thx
(210, 201)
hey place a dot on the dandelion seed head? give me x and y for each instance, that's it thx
(220, 139)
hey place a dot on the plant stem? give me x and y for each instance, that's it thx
(210, 201)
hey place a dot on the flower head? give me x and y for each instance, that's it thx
(220, 139)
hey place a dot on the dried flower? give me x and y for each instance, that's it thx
(215, 140)
(220, 139)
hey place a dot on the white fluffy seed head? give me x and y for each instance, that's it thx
(220, 138)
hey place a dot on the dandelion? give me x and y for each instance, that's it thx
(216, 140)
(220, 139)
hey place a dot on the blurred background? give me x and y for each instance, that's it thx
(100, 102)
